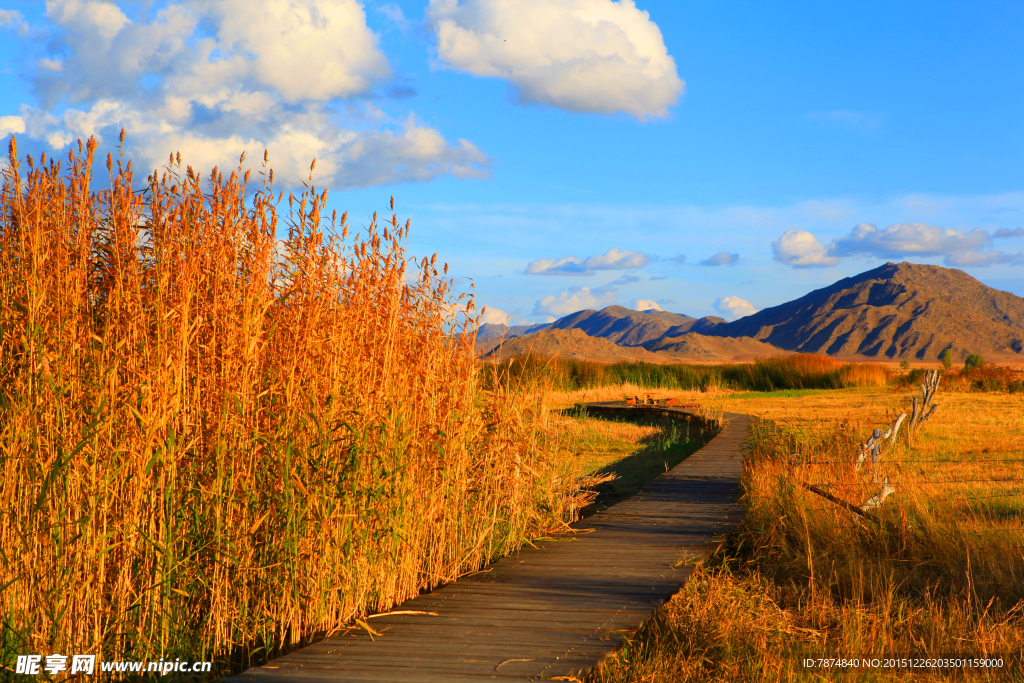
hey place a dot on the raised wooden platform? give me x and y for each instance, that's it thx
(555, 610)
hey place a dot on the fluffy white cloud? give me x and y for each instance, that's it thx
(966, 249)
(613, 259)
(11, 124)
(904, 239)
(722, 258)
(304, 49)
(495, 316)
(572, 300)
(733, 307)
(801, 249)
(595, 56)
(646, 305)
(215, 78)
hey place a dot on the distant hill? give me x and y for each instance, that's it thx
(576, 344)
(898, 311)
(690, 347)
(623, 326)
(702, 347)
(700, 325)
(491, 334)
(489, 330)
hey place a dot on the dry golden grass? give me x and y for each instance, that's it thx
(212, 443)
(803, 578)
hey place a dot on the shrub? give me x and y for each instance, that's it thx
(974, 361)
(947, 358)
(987, 384)
(905, 365)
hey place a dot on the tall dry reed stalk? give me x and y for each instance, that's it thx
(212, 441)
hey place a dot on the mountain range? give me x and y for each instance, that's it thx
(893, 312)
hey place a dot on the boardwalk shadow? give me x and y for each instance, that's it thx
(675, 440)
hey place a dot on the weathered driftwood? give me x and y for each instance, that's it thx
(873, 447)
(857, 510)
(891, 433)
(926, 409)
(877, 500)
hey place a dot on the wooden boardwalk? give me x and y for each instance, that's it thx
(555, 610)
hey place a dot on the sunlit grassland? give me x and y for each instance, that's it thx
(802, 578)
(215, 444)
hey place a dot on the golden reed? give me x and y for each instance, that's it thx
(212, 440)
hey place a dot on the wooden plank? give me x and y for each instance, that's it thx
(557, 608)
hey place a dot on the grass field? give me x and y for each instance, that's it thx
(804, 579)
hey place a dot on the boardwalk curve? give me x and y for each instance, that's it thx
(555, 610)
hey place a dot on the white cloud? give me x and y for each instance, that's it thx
(897, 241)
(980, 259)
(801, 249)
(905, 239)
(215, 78)
(646, 305)
(722, 258)
(733, 307)
(572, 300)
(613, 259)
(595, 56)
(11, 124)
(13, 18)
(495, 316)
(303, 49)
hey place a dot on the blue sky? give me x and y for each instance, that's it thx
(566, 154)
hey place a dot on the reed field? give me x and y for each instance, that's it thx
(797, 371)
(216, 444)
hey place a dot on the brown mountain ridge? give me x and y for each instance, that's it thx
(895, 311)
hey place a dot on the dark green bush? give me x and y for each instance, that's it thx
(987, 384)
(974, 361)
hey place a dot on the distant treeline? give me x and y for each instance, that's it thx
(798, 371)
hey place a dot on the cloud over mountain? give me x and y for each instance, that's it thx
(572, 300)
(595, 56)
(904, 239)
(800, 248)
(733, 307)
